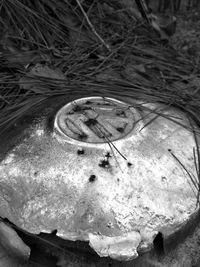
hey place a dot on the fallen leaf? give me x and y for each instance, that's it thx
(45, 71)
(29, 82)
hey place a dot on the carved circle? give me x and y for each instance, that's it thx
(96, 120)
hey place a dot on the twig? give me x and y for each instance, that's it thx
(92, 27)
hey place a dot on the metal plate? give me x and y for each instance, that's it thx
(96, 120)
(130, 188)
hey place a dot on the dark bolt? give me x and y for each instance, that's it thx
(169, 150)
(104, 163)
(92, 178)
(129, 164)
(80, 151)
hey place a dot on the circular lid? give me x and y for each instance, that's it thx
(95, 120)
(129, 178)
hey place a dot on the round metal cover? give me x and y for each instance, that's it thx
(96, 120)
(116, 195)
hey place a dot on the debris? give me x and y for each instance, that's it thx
(120, 248)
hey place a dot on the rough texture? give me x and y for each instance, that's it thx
(45, 183)
(118, 247)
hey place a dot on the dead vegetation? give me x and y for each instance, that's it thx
(93, 44)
